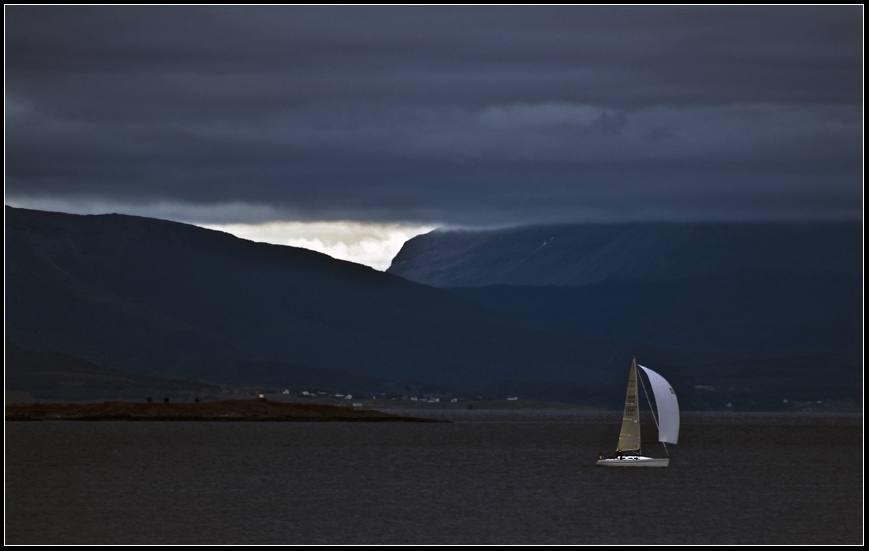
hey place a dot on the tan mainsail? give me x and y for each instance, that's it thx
(629, 438)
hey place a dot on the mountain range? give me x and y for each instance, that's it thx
(173, 300)
(747, 288)
(776, 300)
(163, 299)
(583, 254)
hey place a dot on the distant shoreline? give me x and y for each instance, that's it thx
(222, 411)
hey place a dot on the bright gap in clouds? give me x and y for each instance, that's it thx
(370, 244)
(373, 245)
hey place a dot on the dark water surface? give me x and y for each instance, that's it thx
(523, 477)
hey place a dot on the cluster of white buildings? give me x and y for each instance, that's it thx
(324, 395)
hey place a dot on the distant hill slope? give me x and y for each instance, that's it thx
(158, 298)
(784, 301)
(747, 314)
(62, 377)
(161, 298)
(590, 253)
(754, 289)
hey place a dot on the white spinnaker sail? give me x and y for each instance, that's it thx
(668, 407)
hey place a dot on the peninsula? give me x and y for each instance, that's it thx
(225, 410)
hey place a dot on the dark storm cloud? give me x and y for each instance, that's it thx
(439, 114)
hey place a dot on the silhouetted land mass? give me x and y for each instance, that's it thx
(750, 289)
(771, 309)
(746, 315)
(63, 377)
(171, 300)
(743, 314)
(226, 410)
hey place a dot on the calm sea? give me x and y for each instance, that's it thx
(490, 477)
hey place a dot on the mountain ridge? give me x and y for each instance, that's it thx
(165, 299)
(756, 297)
(580, 254)
(172, 300)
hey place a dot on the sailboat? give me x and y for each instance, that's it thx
(667, 421)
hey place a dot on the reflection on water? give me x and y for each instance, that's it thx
(491, 477)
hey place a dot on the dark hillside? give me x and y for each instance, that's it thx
(62, 377)
(155, 298)
(782, 303)
(748, 314)
(160, 298)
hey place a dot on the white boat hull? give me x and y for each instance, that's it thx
(634, 461)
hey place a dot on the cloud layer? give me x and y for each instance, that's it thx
(433, 115)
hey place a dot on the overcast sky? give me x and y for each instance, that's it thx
(426, 116)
